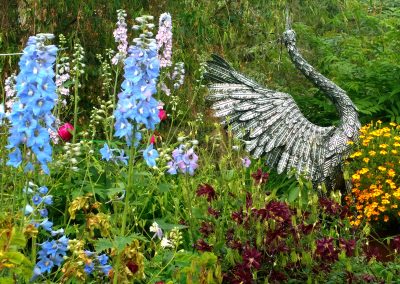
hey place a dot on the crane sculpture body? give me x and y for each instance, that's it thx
(272, 125)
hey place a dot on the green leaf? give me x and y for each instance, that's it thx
(168, 226)
(164, 187)
(102, 244)
(293, 194)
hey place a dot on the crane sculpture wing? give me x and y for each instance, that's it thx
(272, 125)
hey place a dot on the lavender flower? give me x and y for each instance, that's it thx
(178, 75)
(10, 91)
(164, 40)
(246, 162)
(121, 37)
(184, 161)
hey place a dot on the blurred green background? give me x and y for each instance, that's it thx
(354, 43)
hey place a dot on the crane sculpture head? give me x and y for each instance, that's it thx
(271, 124)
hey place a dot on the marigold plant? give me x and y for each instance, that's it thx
(374, 169)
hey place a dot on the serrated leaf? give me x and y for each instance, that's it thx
(102, 244)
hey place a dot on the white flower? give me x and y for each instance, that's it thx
(156, 230)
(166, 243)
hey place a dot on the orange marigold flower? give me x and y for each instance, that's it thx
(366, 160)
(391, 173)
(356, 176)
(386, 218)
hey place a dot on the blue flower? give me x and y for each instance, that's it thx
(36, 96)
(43, 190)
(89, 268)
(28, 209)
(36, 199)
(43, 212)
(102, 259)
(150, 155)
(106, 153)
(48, 199)
(2, 113)
(45, 265)
(185, 162)
(47, 225)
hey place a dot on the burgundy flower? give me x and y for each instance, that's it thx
(349, 246)
(159, 282)
(201, 245)
(133, 267)
(277, 276)
(369, 278)
(329, 206)
(279, 211)
(396, 243)
(249, 200)
(206, 190)
(237, 216)
(251, 257)
(214, 212)
(305, 229)
(326, 250)
(206, 229)
(260, 177)
(241, 274)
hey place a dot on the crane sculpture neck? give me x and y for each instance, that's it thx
(336, 94)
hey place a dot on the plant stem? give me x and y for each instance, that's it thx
(114, 101)
(76, 100)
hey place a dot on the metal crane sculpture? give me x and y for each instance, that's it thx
(272, 125)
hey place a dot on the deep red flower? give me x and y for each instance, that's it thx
(277, 276)
(152, 139)
(260, 177)
(251, 257)
(206, 190)
(159, 282)
(237, 216)
(396, 243)
(162, 114)
(133, 267)
(242, 275)
(201, 245)
(348, 246)
(326, 250)
(206, 229)
(65, 131)
(329, 206)
(249, 200)
(214, 212)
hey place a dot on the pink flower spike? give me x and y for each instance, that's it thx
(162, 114)
(65, 131)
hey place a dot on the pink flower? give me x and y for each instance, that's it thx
(164, 40)
(152, 139)
(65, 131)
(162, 114)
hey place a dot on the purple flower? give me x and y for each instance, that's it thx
(246, 162)
(326, 250)
(164, 40)
(201, 245)
(251, 258)
(121, 37)
(185, 162)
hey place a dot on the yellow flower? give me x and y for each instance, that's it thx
(394, 151)
(397, 138)
(356, 176)
(378, 122)
(366, 160)
(382, 169)
(383, 152)
(372, 153)
(396, 144)
(350, 142)
(356, 154)
(364, 171)
(383, 146)
(386, 135)
(392, 124)
(391, 173)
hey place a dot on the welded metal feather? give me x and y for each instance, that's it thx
(271, 123)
